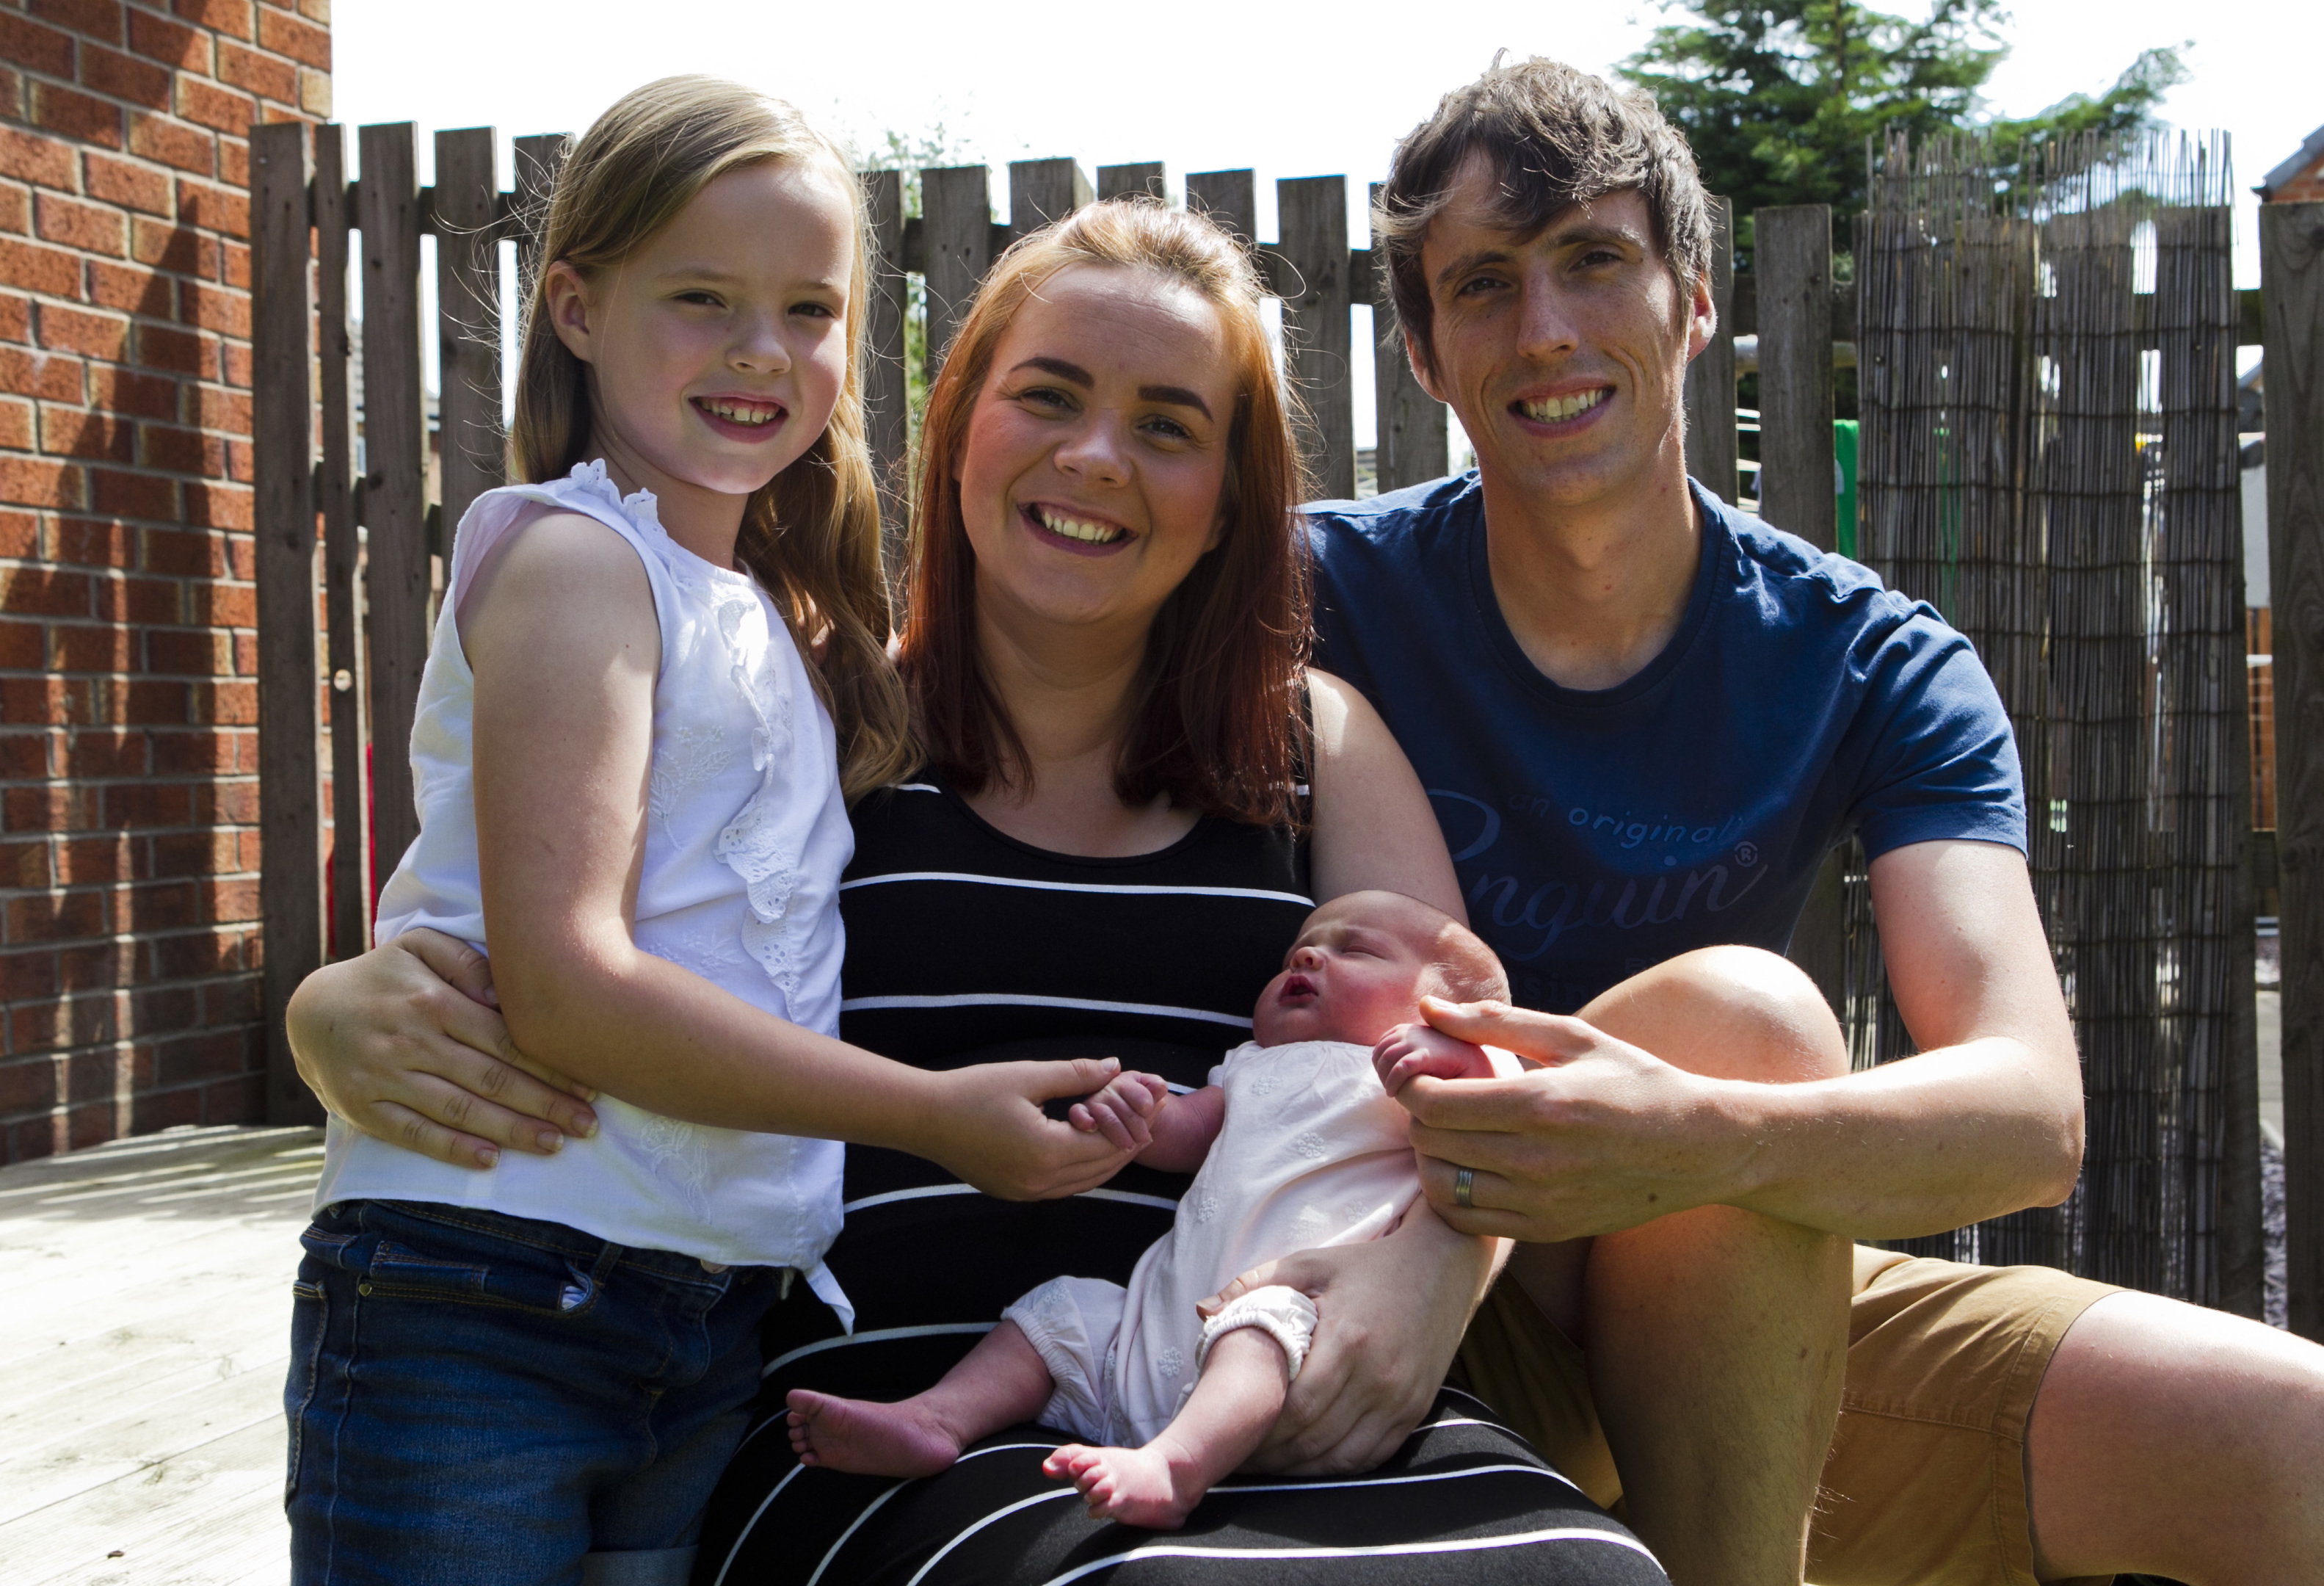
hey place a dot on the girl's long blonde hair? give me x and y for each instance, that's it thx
(810, 535)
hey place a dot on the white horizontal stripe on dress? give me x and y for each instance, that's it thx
(877, 1335)
(1002, 999)
(1005, 1510)
(1387, 1550)
(998, 1515)
(747, 1526)
(869, 1510)
(1399, 1480)
(975, 879)
(930, 1191)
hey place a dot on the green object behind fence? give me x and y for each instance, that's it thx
(1843, 452)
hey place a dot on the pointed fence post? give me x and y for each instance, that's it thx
(1711, 378)
(1229, 198)
(1792, 261)
(2292, 282)
(1042, 190)
(1412, 446)
(886, 395)
(395, 476)
(475, 449)
(1123, 182)
(956, 232)
(1312, 218)
(289, 787)
(350, 924)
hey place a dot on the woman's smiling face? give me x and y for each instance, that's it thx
(1096, 459)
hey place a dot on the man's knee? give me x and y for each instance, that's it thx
(1736, 1013)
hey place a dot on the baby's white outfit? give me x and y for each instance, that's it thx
(746, 835)
(1312, 1153)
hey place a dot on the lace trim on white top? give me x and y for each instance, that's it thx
(752, 844)
(639, 508)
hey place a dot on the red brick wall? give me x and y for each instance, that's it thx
(2307, 187)
(128, 796)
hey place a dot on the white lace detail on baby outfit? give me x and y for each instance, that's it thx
(1312, 1153)
(745, 837)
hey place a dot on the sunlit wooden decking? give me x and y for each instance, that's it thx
(144, 1329)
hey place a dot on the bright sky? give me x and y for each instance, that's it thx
(1290, 91)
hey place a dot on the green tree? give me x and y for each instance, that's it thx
(1777, 97)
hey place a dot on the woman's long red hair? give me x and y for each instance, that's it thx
(1216, 719)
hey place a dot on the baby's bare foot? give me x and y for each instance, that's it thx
(1131, 1486)
(867, 1438)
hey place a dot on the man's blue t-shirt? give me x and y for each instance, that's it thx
(1595, 833)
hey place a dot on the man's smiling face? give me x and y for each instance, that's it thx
(1563, 353)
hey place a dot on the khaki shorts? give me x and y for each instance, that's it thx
(1925, 1482)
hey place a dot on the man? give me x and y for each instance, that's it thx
(1645, 719)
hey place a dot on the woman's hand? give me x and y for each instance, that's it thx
(404, 1045)
(985, 1123)
(1391, 1312)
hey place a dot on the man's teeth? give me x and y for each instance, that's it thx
(1073, 528)
(743, 412)
(1563, 407)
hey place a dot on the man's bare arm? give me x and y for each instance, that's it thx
(1985, 1120)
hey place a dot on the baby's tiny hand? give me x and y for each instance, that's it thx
(1122, 1110)
(1411, 1050)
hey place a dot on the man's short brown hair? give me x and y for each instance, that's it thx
(1553, 137)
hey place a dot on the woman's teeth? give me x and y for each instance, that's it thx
(1074, 528)
(1561, 407)
(741, 413)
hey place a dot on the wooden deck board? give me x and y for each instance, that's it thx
(142, 1346)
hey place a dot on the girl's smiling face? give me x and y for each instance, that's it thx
(1093, 477)
(718, 348)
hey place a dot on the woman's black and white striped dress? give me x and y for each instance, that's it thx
(960, 941)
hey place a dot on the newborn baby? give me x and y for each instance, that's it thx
(1299, 1145)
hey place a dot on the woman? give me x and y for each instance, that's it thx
(1134, 793)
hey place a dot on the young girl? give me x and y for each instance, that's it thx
(632, 781)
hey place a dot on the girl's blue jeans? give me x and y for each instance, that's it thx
(492, 1401)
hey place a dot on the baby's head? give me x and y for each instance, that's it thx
(1363, 963)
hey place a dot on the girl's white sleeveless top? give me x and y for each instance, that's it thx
(746, 835)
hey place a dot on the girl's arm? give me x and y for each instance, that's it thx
(1373, 828)
(559, 631)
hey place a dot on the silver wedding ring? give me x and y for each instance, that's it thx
(1464, 1188)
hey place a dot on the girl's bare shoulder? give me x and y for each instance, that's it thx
(558, 570)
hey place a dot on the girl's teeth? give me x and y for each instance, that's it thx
(742, 412)
(1073, 528)
(1563, 407)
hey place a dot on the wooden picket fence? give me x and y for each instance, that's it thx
(377, 582)
(381, 528)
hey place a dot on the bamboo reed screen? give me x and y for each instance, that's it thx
(2046, 354)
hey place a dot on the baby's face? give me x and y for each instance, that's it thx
(1356, 973)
